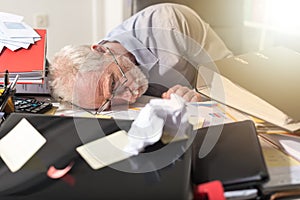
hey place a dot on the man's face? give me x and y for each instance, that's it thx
(94, 88)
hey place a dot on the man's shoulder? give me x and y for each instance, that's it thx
(165, 7)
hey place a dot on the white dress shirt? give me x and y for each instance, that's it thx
(169, 41)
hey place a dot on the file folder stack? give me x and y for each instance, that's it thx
(22, 50)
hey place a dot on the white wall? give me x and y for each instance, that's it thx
(69, 21)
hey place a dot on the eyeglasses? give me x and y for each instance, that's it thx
(122, 82)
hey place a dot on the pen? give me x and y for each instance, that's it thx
(6, 79)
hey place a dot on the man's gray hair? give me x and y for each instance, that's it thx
(66, 64)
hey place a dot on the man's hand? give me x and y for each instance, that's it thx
(186, 93)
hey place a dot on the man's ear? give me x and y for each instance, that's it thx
(98, 48)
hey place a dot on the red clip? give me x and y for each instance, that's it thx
(58, 173)
(209, 191)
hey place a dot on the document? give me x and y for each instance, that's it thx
(226, 92)
(214, 113)
(15, 29)
(14, 33)
(288, 143)
(284, 170)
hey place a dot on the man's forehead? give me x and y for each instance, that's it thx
(87, 89)
(95, 61)
(88, 77)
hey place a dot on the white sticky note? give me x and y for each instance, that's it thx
(105, 151)
(20, 144)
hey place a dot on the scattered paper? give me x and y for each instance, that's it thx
(129, 114)
(146, 129)
(210, 113)
(158, 116)
(287, 143)
(20, 144)
(1, 46)
(15, 34)
(284, 170)
(15, 29)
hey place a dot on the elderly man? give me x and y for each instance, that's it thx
(156, 52)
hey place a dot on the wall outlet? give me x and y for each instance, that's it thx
(41, 20)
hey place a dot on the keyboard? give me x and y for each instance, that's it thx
(31, 105)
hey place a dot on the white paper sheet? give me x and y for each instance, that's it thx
(17, 29)
(1, 46)
(15, 34)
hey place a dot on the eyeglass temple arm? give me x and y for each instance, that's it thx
(121, 70)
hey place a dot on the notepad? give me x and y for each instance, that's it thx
(20, 144)
(105, 151)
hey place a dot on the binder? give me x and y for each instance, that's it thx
(263, 84)
(236, 159)
(28, 63)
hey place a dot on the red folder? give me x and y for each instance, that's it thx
(26, 61)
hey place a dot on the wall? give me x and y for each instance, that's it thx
(69, 21)
(228, 17)
(87, 21)
(225, 17)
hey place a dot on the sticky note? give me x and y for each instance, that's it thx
(20, 144)
(106, 150)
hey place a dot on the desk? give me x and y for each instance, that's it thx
(172, 181)
(284, 172)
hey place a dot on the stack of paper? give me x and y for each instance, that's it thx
(15, 34)
(288, 143)
(22, 49)
(283, 169)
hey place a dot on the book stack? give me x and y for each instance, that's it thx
(22, 50)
